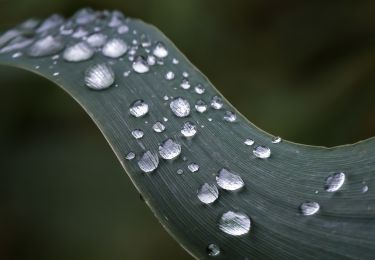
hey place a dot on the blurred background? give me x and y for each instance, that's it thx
(303, 70)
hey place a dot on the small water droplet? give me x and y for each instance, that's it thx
(166, 98)
(78, 52)
(51, 22)
(248, 141)
(208, 193)
(160, 50)
(55, 74)
(276, 140)
(235, 223)
(230, 116)
(17, 55)
(188, 129)
(158, 127)
(213, 250)
(309, 208)
(114, 48)
(262, 152)
(180, 107)
(201, 106)
(169, 149)
(145, 41)
(84, 16)
(180, 171)
(169, 75)
(334, 182)
(46, 46)
(229, 181)
(140, 65)
(122, 29)
(137, 133)
(126, 73)
(175, 61)
(185, 74)
(99, 76)
(96, 40)
(151, 60)
(138, 108)
(199, 89)
(185, 84)
(216, 102)
(80, 32)
(148, 162)
(365, 189)
(165, 119)
(193, 167)
(130, 156)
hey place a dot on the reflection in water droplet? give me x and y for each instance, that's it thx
(193, 167)
(169, 75)
(216, 102)
(140, 65)
(148, 162)
(309, 208)
(188, 129)
(213, 250)
(230, 116)
(114, 48)
(78, 52)
(46, 46)
(185, 84)
(169, 149)
(137, 133)
(229, 181)
(248, 141)
(208, 193)
(235, 223)
(96, 39)
(334, 182)
(276, 140)
(262, 152)
(180, 107)
(201, 106)
(199, 89)
(99, 76)
(158, 127)
(160, 50)
(130, 156)
(138, 108)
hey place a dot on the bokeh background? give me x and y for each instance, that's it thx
(303, 70)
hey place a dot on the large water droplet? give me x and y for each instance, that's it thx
(193, 167)
(137, 133)
(138, 108)
(213, 250)
(114, 48)
(96, 39)
(230, 116)
(46, 46)
(262, 152)
(160, 50)
(334, 182)
(169, 149)
(158, 127)
(78, 52)
(201, 106)
(140, 65)
(188, 129)
(180, 107)
(148, 162)
(208, 193)
(216, 102)
(235, 223)
(16, 44)
(309, 208)
(99, 76)
(229, 181)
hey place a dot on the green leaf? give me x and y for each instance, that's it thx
(274, 188)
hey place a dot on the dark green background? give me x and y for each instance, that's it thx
(304, 70)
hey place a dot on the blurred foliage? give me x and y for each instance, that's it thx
(299, 69)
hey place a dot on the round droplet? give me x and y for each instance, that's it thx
(309, 208)
(262, 152)
(276, 140)
(175, 61)
(229, 181)
(114, 48)
(151, 60)
(188, 129)
(185, 74)
(96, 39)
(365, 189)
(235, 223)
(160, 50)
(248, 141)
(122, 29)
(84, 16)
(180, 171)
(130, 156)
(140, 65)
(46, 46)
(216, 102)
(169, 75)
(145, 41)
(148, 162)
(138, 108)
(334, 182)
(78, 52)
(180, 107)
(99, 76)
(199, 89)
(169, 149)
(193, 167)
(158, 127)
(185, 84)
(213, 250)
(208, 193)
(137, 133)
(201, 106)
(51, 22)
(230, 116)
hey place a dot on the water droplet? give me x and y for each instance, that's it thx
(138, 108)
(140, 65)
(122, 29)
(145, 41)
(165, 119)
(48, 45)
(213, 250)
(235, 223)
(262, 152)
(216, 102)
(80, 32)
(248, 141)
(78, 52)
(188, 129)
(276, 140)
(148, 162)
(230, 116)
(180, 107)
(17, 55)
(159, 50)
(309, 208)
(201, 106)
(126, 73)
(334, 182)
(199, 89)
(365, 189)
(158, 127)
(99, 76)
(193, 167)
(116, 19)
(84, 16)
(55, 74)
(229, 181)
(130, 156)
(185, 74)
(17, 44)
(169, 149)
(208, 193)
(175, 61)
(51, 22)
(180, 171)
(166, 98)
(151, 60)
(114, 48)
(96, 39)
(137, 133)
(169, 75)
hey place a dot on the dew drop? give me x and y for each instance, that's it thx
(151, 60)
(365, 189)
(48, 45)
(126, 73)
(122, 29)
(180, 107)
(17, 55)
(166, 98)
(51, 22)
(334, 182)
(99, 76)
(216, 102)
(137, 133)
(130, 156)
(158, 127)
(145, 41)
(213, 250)
(230, 116)
(80, 32)
(180, 171)
(201, 106)
(169, 149)
(199, 89)
(84, 16)
(175, 61)
(249, 141)
(148, 162)
(140, 65)
(262, 152)
(16, 44)
(96, 39)
(276, 140)
(185, 84)
(229, 181)
(185, 74)
(193, 167)
(138, 108)
(188, 129)
(309, 208)
(235, 223)
(160, 50)
(208, 193)
(114, 48)
(169, 75)
(78, 52)
(55, 74)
